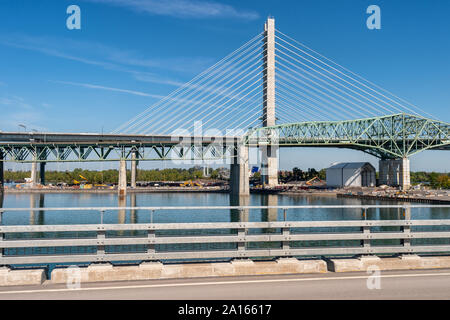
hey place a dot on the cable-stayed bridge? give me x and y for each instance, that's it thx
(271, 92)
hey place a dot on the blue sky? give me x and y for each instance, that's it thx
(129, 54)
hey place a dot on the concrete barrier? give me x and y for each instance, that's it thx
(404, 262)
(157, 270)
(10, 277)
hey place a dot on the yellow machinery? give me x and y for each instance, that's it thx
(83, 184)
(191, 184)
(309, 182)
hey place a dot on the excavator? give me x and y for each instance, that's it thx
(191, 184)
(309, 182)
(85, 185)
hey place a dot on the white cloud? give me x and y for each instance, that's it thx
(108, 57)
(146, 77)
(94, 86)
(183, 8)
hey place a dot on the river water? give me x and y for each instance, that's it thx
(64, 200)
(43, 217)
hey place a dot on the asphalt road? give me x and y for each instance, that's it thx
(423, 284)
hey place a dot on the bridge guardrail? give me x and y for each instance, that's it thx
(240, 237)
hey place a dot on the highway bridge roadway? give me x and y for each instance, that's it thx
(416, 284)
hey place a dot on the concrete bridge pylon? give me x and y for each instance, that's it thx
(269, 158)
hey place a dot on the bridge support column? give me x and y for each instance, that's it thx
(269, 166)
(269, 155)
(133, 170)
(395, 172)
(42, 173)
(122, 185)
(33, 176)
(239, 177)
(2, 177)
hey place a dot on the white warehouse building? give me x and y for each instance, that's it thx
(351, 174)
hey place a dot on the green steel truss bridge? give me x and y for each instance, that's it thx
(70, 147)
(388, 137)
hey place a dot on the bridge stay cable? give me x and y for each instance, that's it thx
(188, 111)
(211, 89)
(296, 95)
(183, 87)
(207, 72)
(295, 82)
(214, 113)
(334, 87)
(418, 110)
(307, 83)
(197, 84)
(315, 85)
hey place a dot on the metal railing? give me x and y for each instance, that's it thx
(20, 245)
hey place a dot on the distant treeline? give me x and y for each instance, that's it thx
(112, 176)
(434, 179)
(299, 175)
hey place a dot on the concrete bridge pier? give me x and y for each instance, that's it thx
(239, 176)
(122, 185)
(42, 173)
(33, 176)
(134, 164)
(269, 166)
(395, 172)
(2, 177)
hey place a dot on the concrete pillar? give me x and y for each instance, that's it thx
(33, 176)
(206, 171)
(395, 172)
(122, 185)
(133, 170)
(405, 176)
(42, 173)
(269, 166)
(239, 176)
(2, 177)
(269, 154)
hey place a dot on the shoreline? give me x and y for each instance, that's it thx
(162, 190)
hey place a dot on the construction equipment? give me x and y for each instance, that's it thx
(309, 182)
(83, 184)
(191, 184)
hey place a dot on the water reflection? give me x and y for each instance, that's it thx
(122, 213)
(269, 214)
(37, 200)
(133, 212)
(239, 215)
